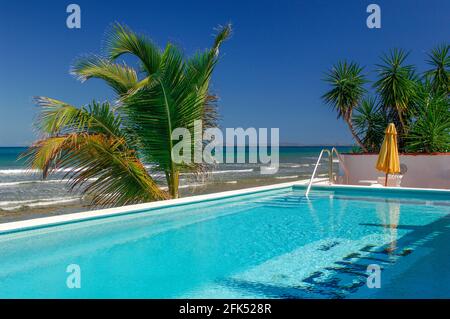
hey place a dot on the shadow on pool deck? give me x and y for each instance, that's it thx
(426, 276)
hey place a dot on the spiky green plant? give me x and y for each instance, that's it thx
(439, 75)
(430, 130)
(346, 83)
(370, 121)
(396, 86)
(169, 91)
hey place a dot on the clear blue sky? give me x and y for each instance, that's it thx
(270, 72)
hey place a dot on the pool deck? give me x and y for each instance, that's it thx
(12, 227)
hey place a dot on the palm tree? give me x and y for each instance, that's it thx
(396, 85)
(370, 122)
(109, 145)
(346, 81)
(439, 75)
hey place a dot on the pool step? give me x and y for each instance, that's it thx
(286, 202)
(329, 268)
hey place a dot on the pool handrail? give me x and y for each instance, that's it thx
(341, 162)
(330, 168)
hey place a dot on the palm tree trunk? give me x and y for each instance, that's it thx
(173, 180)
(401, 126)
(355, 136)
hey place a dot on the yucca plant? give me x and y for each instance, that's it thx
(430, 130)
(346, 83)
(396, 86)
(105, 147)
(370, 121)
(439, 74)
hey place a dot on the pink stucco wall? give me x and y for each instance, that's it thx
(423, 171)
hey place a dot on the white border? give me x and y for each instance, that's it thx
(109, 212)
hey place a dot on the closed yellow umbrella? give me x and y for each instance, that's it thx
(388, 160)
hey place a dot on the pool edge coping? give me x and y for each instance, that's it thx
(41, 222)
(49, 221)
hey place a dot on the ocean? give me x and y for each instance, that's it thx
(24, 193)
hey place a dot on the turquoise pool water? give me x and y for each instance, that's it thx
(274, 244)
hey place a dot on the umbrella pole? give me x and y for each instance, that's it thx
(385, 181)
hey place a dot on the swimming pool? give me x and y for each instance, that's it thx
(269, 244)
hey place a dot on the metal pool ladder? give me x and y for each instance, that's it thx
(330, 166)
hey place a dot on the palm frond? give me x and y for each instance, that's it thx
(57, 117)
(120, 77)
(210, 112)
(430, 131)
(223, 34)
(439, 59)
(121, 40)
(346, 87)
(396, 83)
(100, 166)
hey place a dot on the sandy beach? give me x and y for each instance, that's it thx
(80, 205)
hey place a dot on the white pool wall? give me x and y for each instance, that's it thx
(423, 171)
